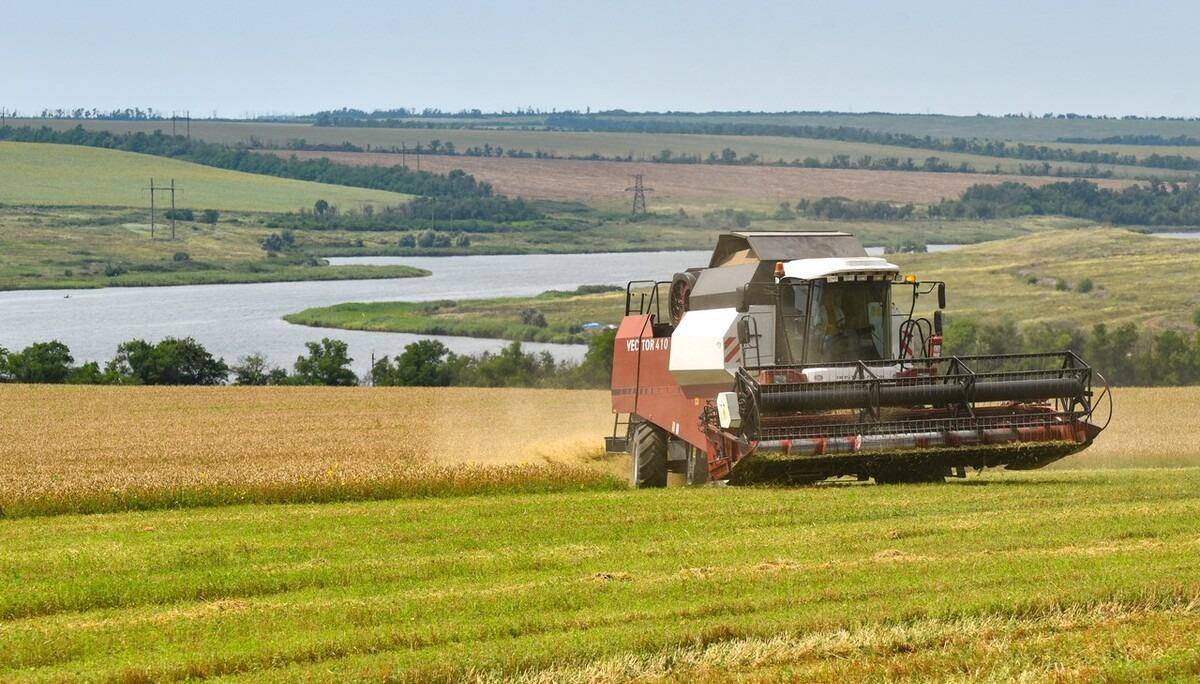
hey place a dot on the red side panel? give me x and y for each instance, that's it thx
(643, 385)
(625, 362)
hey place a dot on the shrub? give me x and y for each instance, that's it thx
(210, 216)
(181, 256)
(1085, 286)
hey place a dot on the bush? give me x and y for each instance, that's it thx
(181, 256)
(533, 317)
(181, 214)
(210, 216)
(1085, 286)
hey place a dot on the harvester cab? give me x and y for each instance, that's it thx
(795, 357)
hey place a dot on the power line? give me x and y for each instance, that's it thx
(639, 191)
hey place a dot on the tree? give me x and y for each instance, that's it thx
(172, 361)
(210, 216)
(327, 363)
(320, 208)
(43, 362)
(423, 364)
(254, 369)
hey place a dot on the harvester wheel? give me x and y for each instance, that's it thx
(697, 467)
(649, 456)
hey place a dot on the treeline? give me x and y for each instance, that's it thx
(1153, 204)
(237, 158)
(1176, 141)
(428, 363)
(727, 156)
(978, 146)
(463, 214)
(185, 361)
(1125, 355)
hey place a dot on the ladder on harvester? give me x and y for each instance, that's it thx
(618, 443)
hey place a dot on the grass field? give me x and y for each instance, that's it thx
(1051, 576)
(44, 174)
(78, 247)
(565, 143)
(506, 551)
(1137, 278)
(499, 317)
(691, 185)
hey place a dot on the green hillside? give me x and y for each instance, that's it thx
(45, 174)
(1136, 278)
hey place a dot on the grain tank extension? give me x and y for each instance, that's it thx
(795, 357)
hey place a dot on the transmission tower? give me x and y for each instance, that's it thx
(639, 194)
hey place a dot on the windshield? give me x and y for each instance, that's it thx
(848, 322)
(831, 322)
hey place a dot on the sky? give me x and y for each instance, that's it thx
(247, 57)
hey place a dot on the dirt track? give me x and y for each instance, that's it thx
(682, 183)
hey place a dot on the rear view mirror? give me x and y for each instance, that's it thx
(937, 323)
(743, 330)
(742, 306)
(941, 295)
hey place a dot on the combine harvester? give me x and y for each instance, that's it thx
(796, 357)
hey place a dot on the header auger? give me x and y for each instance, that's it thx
(795, 357)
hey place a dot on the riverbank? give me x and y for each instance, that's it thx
(555, 316)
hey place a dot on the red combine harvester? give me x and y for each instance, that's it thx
(795, 357)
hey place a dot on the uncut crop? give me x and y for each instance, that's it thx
(82, 449)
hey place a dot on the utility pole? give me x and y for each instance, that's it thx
(151, 208)
(155, 189)
(639, 191)
(189, 124)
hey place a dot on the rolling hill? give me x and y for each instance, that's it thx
(69, 175)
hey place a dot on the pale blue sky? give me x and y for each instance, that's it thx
(951, 57)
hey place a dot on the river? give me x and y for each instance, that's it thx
(235, 320)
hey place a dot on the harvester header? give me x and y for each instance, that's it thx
(794, 357)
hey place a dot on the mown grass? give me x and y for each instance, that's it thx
(1067, 576)
(39, 173)
(564, 313)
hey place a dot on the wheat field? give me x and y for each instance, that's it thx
(76, 449)
(87, 449)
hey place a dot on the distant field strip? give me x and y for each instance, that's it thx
(80, 449)
(46, 174)
(1025, 577)
(582, 143)
(683, 183)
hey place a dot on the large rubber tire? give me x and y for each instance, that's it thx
(697, 467)
(679, 297)
(649, 456)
